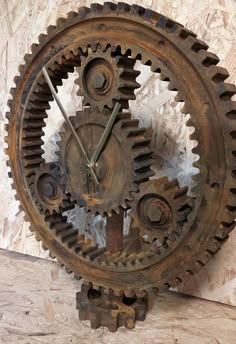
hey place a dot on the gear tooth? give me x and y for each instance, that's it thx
(124, 204)
(13, 90)
(155, 67)
(207, 58)
(10, 103)
(180, 192)
(68, 270)
(195, 190)
(194, 136)
(197, 164)
(227, 91)
(197, 44)
(145, 60)
(27, 58)
(171, 186)
(218, 74)
(195, 150)
(110, 6)
(164, 77)
(137, 10)
(42, 38)
(94, 46)
(44, 247)
(71, 15)
(123, 7)
(37, 236)
(34, 47)
(6, 139)
(190, 122)
(171, 86)
(6, 151)
(131, 84)
(50, 29)
(60, 21)
(179, 98)
(8, 115)
(21, 68)
(96, 7)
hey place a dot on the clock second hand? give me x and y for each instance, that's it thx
(105, 134)
(89, 164)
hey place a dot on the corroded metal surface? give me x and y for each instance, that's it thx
(109, 310)
(120, 163)
(106, 76)
(160, 211)
(181, 59)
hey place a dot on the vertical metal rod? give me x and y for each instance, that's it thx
(114, 232)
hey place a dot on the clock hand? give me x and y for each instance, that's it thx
(105, 134)
(88, 163)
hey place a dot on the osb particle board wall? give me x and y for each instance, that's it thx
(213, 21)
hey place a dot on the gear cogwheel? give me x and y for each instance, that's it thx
(178, 57)
(108, 309)
(160, 209)
(125, 161)
(106, 76)
(47, 189)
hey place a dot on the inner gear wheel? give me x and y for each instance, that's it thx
(160, 210)
(125, 162)
(175, 54)
(47, 189)
(106, 76)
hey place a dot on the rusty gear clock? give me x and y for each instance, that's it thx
(106, 156)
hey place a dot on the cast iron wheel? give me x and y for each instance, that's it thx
(183, 60)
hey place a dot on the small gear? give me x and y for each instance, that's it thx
(108, 309)
(46, 188)
(124, 162)
(160, 210)
(106, 76)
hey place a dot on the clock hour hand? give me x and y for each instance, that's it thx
(88, 162)
(105, 134)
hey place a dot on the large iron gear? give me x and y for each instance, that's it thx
(125, 162)
(106, 76)
(184, 61)
(160, 210)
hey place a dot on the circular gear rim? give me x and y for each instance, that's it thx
(216, 75)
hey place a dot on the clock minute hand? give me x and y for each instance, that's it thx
(88, 163)
(105, 134)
